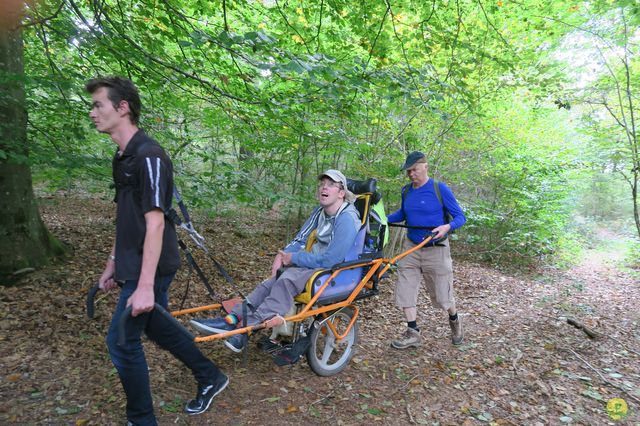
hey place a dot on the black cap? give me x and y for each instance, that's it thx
(412, 159)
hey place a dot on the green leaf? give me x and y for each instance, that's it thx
(591, 393)
(293, 66)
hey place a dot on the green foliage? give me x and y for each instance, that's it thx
(632, 258)
(254, 99)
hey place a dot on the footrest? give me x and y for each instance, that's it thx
(228, 305)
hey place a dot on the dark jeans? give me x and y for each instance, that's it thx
(129, 359)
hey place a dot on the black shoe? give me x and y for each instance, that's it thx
(205, 395)
(294, 353)
(269, 346)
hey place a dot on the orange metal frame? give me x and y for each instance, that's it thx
(380, 266)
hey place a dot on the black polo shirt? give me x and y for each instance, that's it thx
(143, 176)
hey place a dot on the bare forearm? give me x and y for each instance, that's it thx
(106, 280)
(152, 248)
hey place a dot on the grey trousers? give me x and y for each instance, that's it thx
(274, 296)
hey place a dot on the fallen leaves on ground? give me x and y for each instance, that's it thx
(518, 365)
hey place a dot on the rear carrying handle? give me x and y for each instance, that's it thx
(90, 297)
(126, 315)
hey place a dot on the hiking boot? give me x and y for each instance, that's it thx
(205, 395)
(410, 337)
(236, 342)
(208, 326)
(457, 334)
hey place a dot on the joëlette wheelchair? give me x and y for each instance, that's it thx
(324, 321)
(325, 317)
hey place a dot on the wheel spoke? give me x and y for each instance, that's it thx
(326, 356)
(328, 348)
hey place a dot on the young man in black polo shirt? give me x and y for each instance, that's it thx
(144, 257)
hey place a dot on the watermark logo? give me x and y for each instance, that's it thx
(617, 408)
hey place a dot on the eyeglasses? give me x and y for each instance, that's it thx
(329, 184)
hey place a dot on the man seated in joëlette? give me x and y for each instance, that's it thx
(336, 222)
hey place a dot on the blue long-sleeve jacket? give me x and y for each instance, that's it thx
(346, 227)
(422, 208)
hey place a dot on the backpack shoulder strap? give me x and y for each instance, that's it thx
(436, 188)
(445, 212)
(403, 193)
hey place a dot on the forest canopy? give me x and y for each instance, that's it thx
(526, 109)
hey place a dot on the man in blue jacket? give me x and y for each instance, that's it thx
(336, 222)
(425, 204)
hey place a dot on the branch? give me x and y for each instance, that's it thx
(409, 414)
(408, 382)
(406, 59)
(172, 67)
(455, 41)
(633, 141)
(212, 39)
(621, 123)
(48, 137)
(42, 35)
(583, 29)
(619, 94)
(604, 379)
(319, 24)
(399, 133)
(158, 61)
(232, 53)
(286, 21)
(224, 14)
(373, 46)
(506, 43)
(375, 40)
(590, 333)
(42, 20)
(52, 29)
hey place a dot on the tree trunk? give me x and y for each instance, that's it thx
(24, 240)
(634, 197)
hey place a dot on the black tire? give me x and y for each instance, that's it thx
(325, 357)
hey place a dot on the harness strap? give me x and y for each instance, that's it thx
(193, 265)
(198, 239)
(183, 208)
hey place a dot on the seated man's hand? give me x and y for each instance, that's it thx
(286, 257)
(277, 264)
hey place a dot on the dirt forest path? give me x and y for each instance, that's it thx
(521, 362)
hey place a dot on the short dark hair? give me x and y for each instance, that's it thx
(119, 89)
